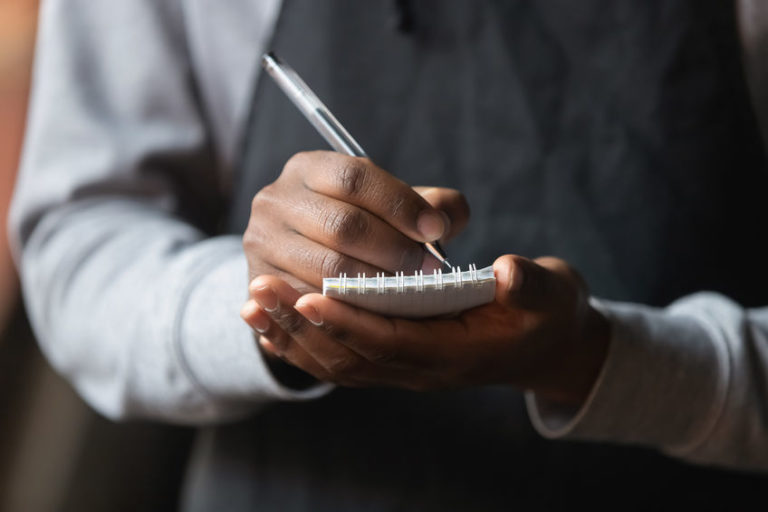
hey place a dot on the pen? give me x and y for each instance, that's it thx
(324, 121)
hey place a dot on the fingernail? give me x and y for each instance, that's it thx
(248, 309)
(431, 225)
(266, 298)
(261, 324)
(310, 313)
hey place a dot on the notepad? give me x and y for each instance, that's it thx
(415, 296)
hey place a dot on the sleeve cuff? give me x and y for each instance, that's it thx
(663, 383)
(218, 349)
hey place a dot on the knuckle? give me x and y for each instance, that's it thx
(346, 226)
(253, 239)
(352, 178)
(257, 241)
(396, 205)
(262, 198)
(332, 263)
(296, 162)
(291, 323)
(338, 334)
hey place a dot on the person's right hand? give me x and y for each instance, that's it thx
(329, 213)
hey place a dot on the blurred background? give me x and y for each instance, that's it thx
(56, 453)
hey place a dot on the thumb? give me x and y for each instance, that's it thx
(524, 283)
(451, 203)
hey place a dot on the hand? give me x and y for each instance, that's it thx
(329, 213)
(539, 333)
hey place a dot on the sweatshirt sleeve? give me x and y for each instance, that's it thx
(129, 295)
(690, 379)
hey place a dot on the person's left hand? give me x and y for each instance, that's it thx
(539, 333)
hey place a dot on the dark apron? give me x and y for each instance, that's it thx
(615, 134)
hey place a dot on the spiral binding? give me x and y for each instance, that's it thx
(400, 283)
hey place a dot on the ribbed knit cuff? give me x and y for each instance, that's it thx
(663, 383)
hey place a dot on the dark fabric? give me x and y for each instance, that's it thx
(614, 134)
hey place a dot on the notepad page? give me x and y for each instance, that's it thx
(415, 296)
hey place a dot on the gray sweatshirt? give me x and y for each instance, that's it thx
(136, 110)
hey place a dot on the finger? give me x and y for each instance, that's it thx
(260, 242)
(375, 341)
(268, 346)
(292, 353)
(359, 182)
(310, 261)
(521, 282)
(277, 342)
(384, 341)
(355, 232)
(340, 364)
(254, 316)
(452, 203)
(428, 353)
